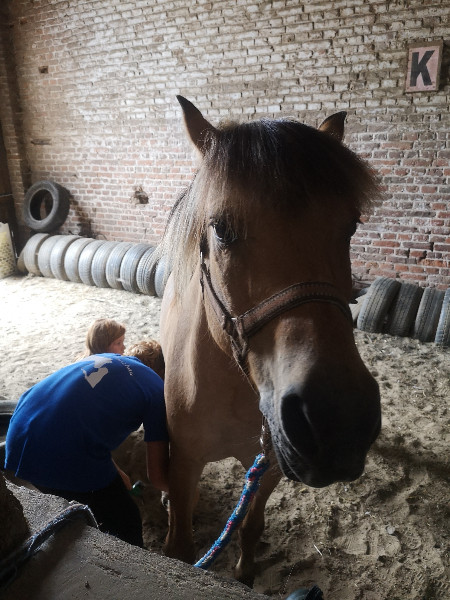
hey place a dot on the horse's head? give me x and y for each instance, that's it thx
(276, 203)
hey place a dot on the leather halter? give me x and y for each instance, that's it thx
(241, 328)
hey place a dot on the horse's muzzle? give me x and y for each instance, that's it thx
(320, 435)
(319, 475)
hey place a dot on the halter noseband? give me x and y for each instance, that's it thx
(241, 328)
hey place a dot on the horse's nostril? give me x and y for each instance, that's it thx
(296, 426)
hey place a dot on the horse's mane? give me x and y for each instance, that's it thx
(279, 163)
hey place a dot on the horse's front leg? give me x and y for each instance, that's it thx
(184, 476)
(253, 525)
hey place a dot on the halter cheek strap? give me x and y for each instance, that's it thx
(241, 328)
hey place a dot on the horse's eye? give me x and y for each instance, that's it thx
(224, 234)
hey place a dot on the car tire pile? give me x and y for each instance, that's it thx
(404, 309)
(387, 306)
(101, 263)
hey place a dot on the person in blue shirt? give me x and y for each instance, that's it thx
(64, 428)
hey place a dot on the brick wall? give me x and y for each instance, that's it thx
(95, 107)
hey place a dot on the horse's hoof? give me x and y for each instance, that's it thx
(247, 579)
(186, 555)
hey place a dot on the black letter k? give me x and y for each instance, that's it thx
(420, 68)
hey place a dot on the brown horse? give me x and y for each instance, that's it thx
(255, 318)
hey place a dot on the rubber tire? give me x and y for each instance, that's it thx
(362, 291)
(35, 195)
(85, 261)
(443, 329)
(129, 265)
(355, 308)
(357, 292)
(376, 305)
(427, 318)
(44, 255)
(58, 254)
(113, 264)
(145, 273)
(21, 263)
(6, 411)
(73, 256)
(404, 310)
(98, 267)
(161, 276)
(31, 251)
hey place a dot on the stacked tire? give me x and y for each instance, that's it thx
(46, 206)
(405, 309)
(119, 265)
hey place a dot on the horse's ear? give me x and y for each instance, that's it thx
(334, 125)
(196, 124)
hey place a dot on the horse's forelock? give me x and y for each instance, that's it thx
(280, 163)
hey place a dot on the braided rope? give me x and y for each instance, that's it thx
(252, 481)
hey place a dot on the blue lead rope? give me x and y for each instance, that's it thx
(252, 481)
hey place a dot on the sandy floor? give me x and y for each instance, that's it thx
(383, 537)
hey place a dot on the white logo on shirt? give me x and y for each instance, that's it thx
(96, 376)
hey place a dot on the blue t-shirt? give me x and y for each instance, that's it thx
(64, 428)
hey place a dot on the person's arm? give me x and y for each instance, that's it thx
(125, 478)
(158, 465)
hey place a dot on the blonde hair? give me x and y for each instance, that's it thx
(150, 353)
(101, 333)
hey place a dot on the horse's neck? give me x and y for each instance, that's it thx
(205, 389)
